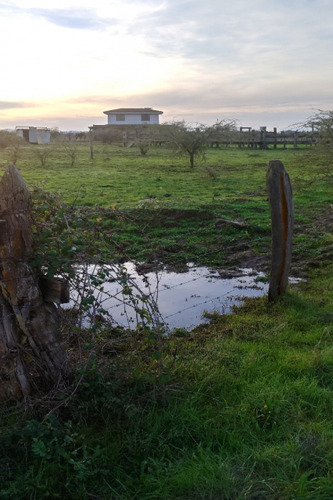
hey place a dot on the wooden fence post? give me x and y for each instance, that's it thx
(31, 348)
(91, 142)
(282, 217)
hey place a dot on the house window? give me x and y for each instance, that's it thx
(145, 118)
(120, 118)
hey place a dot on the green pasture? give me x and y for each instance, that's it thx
(237, 409)
(155, 207)
(123, 177)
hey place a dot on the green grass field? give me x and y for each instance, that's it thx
(186, 214)
(238, 409)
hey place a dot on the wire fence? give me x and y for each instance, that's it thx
(162, 299)
(120, 295)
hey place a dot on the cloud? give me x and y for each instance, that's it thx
(88, 99)
(12, 105)
(216, 32)
(73, 19)
(5, 6)
(186, 57)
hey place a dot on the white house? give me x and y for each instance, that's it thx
(133, 116)
(34, 135)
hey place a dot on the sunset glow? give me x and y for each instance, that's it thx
(65, 62)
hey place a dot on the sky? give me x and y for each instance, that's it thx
(259, 62)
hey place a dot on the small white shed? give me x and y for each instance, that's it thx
(133, 116)
(34, 135)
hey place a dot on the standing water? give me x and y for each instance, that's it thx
(181, 298)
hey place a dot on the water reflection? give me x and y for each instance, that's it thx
(181, 298)
(182, 304)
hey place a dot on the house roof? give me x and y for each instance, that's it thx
(134, 111)
(27, 127)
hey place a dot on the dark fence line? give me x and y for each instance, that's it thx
(262, 139)
(245, 137)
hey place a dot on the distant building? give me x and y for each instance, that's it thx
(34, 135)
(133, 116)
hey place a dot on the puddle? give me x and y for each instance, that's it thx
(181, 298)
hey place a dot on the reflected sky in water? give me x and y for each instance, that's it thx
(182, 298)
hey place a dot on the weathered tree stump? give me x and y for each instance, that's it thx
(282, 217)
(31, 348)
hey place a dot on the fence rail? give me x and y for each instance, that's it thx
(245, 137)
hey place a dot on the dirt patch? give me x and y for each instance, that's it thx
(208, 239)
(248, 259)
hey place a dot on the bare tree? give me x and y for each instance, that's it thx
(143, 139)
(55, 133)
(321, 125)
(42, 154)
(222, 132)
(7, 139)
(14, 150)
(70, 148)
(192, 140)
(186, 139)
